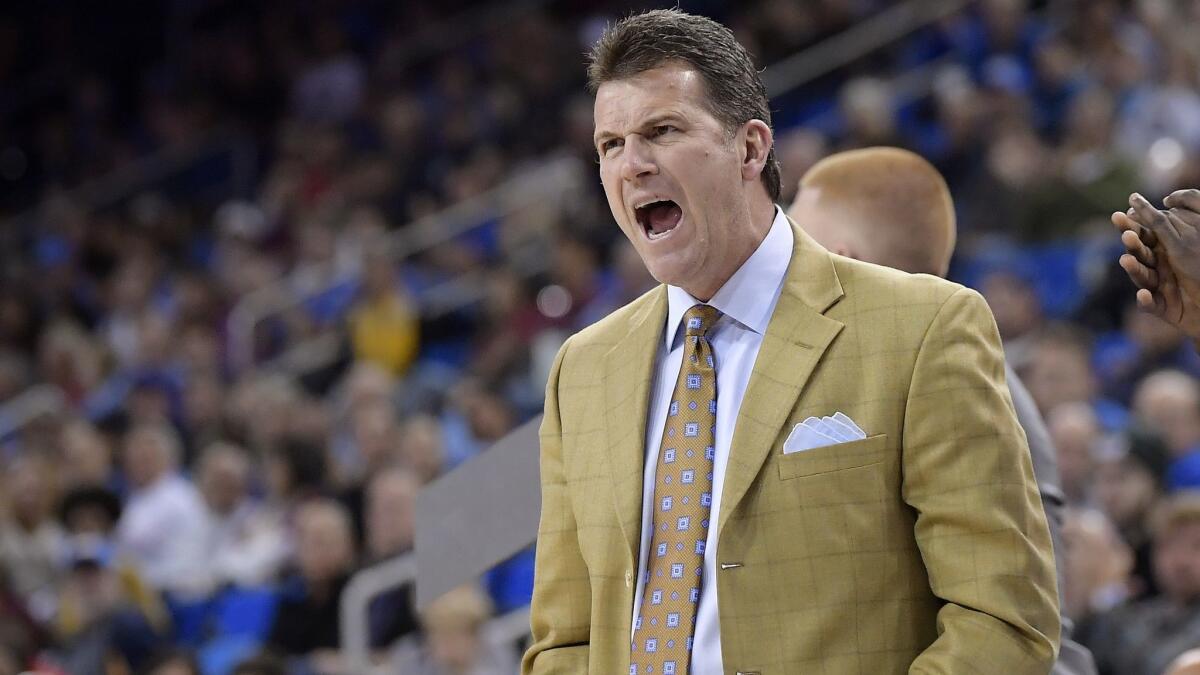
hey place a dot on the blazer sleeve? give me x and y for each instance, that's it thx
(560, 611)
(980, 525)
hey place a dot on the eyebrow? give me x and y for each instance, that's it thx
(651, 121)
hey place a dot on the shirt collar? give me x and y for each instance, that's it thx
(750, 294)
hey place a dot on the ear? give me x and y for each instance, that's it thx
(756, 143)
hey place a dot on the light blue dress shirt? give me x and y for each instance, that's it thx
(746, 303)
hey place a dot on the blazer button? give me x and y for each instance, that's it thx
(628, 579)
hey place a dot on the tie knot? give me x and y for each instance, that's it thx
(700, 318)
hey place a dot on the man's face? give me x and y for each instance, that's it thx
(1059, 374)
(222, 483)
(672, 176)
(1125, 490)
(323, 546)
(144, 459)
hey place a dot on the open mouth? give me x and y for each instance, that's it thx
(659, 218)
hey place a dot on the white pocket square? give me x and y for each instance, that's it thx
(819, 432)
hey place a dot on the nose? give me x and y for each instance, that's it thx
(637, 159)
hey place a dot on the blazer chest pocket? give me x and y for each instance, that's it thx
(830, 458)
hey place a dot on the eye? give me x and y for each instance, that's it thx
(607, 146)
(662, 129)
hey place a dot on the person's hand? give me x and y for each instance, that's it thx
(1163, 257)
(1182, 238)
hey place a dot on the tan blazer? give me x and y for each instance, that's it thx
(921, 549)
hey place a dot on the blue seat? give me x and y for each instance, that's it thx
(246, 612)
(189, 619)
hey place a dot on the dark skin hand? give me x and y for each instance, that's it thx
(1162, 257)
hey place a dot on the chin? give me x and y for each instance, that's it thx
(671, 275)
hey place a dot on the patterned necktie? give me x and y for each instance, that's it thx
(662, 639)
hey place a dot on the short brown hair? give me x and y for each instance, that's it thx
(642, 42)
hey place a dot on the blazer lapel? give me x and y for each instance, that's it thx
(628, 372)
(796, 339)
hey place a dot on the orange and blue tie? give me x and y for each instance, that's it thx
(663, 630)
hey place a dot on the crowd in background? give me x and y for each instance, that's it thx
(183, 508)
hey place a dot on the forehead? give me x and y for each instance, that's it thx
(670, 88)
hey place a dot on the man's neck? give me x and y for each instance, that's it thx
(762, 216)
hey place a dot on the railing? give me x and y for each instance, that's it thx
(356, 599)
(29, 405)
(157, 169)
(557, 182)
(372, 582)
(855, 42)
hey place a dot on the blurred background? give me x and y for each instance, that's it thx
(267, 268)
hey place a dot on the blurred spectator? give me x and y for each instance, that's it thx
(1091, 174)
(383, 323)
(1059, 371)
(87, 456)
(69, 360)
(164, 514)
(391, 504)
(1098, 565)
(478, 416)
(376, 440)
(453, 641)
(422, 449)
(1018, 313)
(243, 547)
(1169, 402)
(203, 418)
(90, 509)
(798, 150)
(307, 618)
(107, 619)
(1143, 638)
(260, 409)
(867, 106)
(1076, 433)
(1128, 485)
(31, 543)
(1146, 344)
(20, 634)
(391, 501)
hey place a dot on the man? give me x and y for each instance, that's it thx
(162, 521)
(309, 614)
(891, 207)
(1144, 637)
(1163, 257)
(243, 547)
(675, 516)
(391, 496)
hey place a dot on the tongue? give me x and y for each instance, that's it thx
(663, 217)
